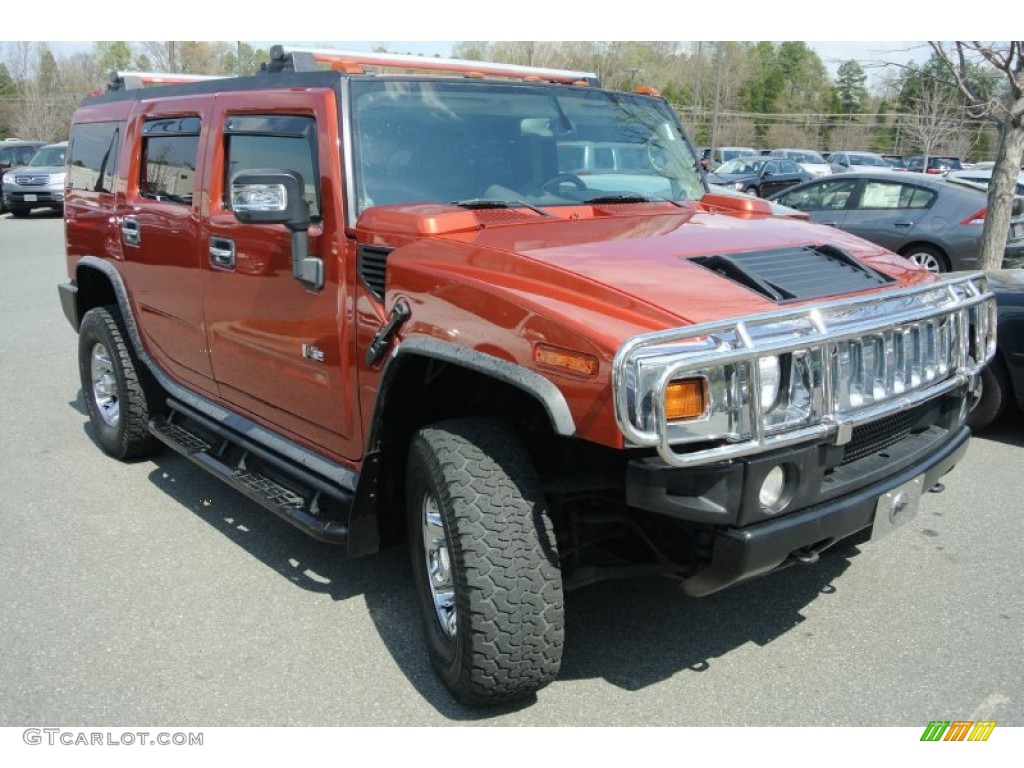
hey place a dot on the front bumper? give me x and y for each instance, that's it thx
(831, 493)
(27, 197)
(739, 554)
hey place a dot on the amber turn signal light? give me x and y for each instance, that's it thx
(577, 362)
(685, 399)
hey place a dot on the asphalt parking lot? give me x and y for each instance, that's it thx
(148, 592)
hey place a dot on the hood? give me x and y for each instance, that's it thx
(36, 170)
(631, 273)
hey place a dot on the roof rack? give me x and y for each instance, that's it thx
(127, 81)
(296, 59)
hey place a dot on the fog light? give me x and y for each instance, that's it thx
(772, 497)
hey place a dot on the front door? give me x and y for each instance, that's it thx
(281, 350)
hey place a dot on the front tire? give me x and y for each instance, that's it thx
(995, 391)
(485, 561)
(120, 394)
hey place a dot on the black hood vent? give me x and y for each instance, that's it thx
(796, 274)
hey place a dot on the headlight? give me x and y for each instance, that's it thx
(57, 178)
(738, 185)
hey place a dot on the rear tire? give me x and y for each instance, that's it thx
(485, 562)
(120, 393)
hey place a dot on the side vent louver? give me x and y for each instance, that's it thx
(796, 274)
(373, 262)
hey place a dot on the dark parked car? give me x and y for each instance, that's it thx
(927, 219)
(759, 176)
(14, 153)
(895, 162)
(937, 164)
(1002, 382)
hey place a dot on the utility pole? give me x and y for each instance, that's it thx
(718, 94)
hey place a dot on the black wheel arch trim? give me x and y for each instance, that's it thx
(300, 455)
(541, 389)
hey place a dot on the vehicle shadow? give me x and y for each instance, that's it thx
(1008, 428)
(631, 633)
(638, 633)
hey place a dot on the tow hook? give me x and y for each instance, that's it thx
(937, 488)
(806, 556)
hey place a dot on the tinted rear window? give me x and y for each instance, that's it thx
(93, 156)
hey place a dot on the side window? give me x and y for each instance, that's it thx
(827, 196)
(916, 197)
(93, 153)
(888, 196)
(6, 156)
(283, 142)
(169, 151)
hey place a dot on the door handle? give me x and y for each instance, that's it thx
(222, 252)
(903, 224)
(130, 232)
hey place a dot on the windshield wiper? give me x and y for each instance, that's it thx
(488, 202)
(605, 199)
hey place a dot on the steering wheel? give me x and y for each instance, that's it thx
(553, 184)
(658, 156)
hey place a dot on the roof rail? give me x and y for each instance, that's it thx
(297, 59)
(127, 81)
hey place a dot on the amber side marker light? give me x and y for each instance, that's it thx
(685, 399)
(577, 362)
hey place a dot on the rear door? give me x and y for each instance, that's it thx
(157, 222)
(889, 212)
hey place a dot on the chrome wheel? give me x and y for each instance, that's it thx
(104, 386)
(926, 259)
(439, 567)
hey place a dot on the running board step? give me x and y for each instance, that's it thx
(232, 462)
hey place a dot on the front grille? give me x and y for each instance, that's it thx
(31, 181)
(878, 435)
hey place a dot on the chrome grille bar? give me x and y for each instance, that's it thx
(876, 354)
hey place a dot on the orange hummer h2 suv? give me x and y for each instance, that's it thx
(496, 313)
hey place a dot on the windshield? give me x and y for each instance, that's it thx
(48, 156)
(470, 142)
(867, 160)
(805, 157)
(741, 165)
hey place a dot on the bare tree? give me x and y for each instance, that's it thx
(934, 122)
(1006, 111)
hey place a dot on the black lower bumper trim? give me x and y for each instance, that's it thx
(69, 302)
(739, 554)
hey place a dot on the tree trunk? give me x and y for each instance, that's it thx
(1002, 188)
